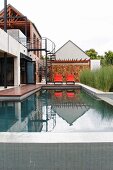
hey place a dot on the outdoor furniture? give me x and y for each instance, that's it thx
(70, 94)
(58, 94)
(58, 78)
(70, 78)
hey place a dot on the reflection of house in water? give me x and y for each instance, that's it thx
(14, 116)
(7, 116)
(70, 113)
(30, 115)
(11, 118)
(30, 109)
(44, 117)
(35, 124)
(48, 110)
(68, 105)
(42, 121)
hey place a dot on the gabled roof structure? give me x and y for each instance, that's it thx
(70, 51)
(68, 107)
(16, 20)
(11, 11)
(71, 113)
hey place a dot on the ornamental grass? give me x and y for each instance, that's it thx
(101, 79)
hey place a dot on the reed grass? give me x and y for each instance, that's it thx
(101, 79)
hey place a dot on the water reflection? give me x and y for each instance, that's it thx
(56, 111)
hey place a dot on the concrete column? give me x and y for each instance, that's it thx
(17, 71)
(18, 111)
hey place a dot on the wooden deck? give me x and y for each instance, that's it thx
(19, 91)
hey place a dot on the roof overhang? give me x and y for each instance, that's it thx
(25, 57)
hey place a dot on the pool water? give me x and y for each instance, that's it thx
(57, 111)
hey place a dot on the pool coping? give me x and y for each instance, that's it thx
(37, 137)
(105, 96)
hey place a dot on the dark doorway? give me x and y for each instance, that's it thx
(10, 71)
(31, 70)
(28, 70)
(23, 65)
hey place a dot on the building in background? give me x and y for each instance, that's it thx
(70, 60)
(70, 51)
(23, 44)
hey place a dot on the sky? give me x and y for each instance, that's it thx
(88, 23)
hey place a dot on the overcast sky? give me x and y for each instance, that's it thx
(88, 23)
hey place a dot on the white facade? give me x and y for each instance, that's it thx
(13, 48)
(70, 51)
(95, 64)
(18, 35)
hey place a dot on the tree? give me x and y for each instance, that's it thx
(103, 61)
(109, 57)
(92, 54)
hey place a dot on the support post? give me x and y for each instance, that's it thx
(5, 54)
(46, 60)
(5, 70)
(26, 30)
(5, 15)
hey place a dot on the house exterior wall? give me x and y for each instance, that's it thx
(36, 44)
(3, 41)
(70, 51)
(10, 45)
(14, 48)
(67, 68)
(18, 35)
(95, 64)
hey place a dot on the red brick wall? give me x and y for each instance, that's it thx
(68, 68)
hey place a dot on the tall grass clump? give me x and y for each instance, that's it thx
(101, 79)
(87, 77)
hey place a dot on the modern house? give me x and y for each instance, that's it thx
(23, 44)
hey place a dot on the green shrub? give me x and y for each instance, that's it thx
(101, 79)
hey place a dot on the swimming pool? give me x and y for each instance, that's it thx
(57, 111)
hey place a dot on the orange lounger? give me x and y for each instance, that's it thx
(58, 78)
(70, 78)
(70, 94)
(58, 94)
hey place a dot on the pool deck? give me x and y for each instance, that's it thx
(18, 93)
